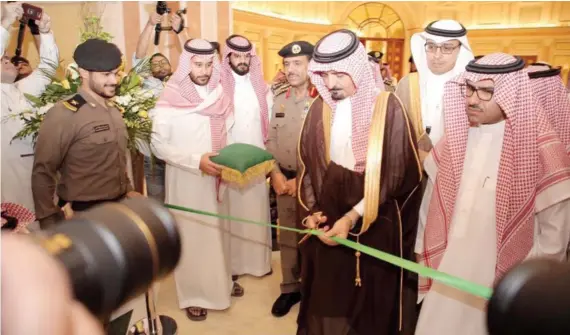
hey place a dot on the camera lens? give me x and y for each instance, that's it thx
(115, 251)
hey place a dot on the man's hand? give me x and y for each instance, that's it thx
(11, 12)
(315, 220)
(279, 183)
(154, 19)
(176, 22)
(340, 229)
(209, 167)
(44, 24)
(292, 187)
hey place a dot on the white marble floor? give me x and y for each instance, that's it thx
(248, 315)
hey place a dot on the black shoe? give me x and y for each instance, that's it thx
(283, 304)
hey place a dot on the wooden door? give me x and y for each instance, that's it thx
(394, 56)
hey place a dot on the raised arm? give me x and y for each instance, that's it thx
(11, 12)
(36, 83)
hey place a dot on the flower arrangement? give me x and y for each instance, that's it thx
(132, 100)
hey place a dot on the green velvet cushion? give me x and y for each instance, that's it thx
(241, 157)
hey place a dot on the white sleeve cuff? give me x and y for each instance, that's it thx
(4, 39)
(359, 208)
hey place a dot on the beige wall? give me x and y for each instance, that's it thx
(545, 32)
(269, 35)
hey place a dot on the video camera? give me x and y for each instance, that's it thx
(161, 9)
(29, 17)
(115, 251)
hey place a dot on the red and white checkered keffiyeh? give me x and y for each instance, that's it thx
(180, 92)
(532, 160)
(19, 212)
(358, 68)
(256, 77)
(378, 80)
(552, 94)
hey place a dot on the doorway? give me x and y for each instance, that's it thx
(380, 28)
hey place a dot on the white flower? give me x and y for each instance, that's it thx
(44, 109)
(73, 71)
(135, 109)
(123, 100)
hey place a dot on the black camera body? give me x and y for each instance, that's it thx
(161, 9)
(115, 251)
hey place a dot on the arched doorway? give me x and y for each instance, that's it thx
(380, 29)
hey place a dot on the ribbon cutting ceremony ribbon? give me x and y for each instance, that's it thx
(424, 271)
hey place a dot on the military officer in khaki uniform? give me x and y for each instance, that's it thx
(84, 139)
(290, 106)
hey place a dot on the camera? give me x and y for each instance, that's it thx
(162, 8)
(31, 12)
(532, 299)
(115, 251)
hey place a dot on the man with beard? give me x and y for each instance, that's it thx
(17, 154)
(498, 191)
(440, 53)
(251, 100)
(190, 124)
(289, 110)
(84, 139)
(552, 95)
(354, 140)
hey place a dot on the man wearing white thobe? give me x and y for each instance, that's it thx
(440, 53)
(481, 227)
(190, 123)
(17, 155)
(242, 80)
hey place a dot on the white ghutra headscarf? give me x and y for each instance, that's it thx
(431, 85)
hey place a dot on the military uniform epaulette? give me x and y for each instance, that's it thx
(75, 102)
(281, 89)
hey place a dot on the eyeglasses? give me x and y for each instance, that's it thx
(483, 93)
(446, 49)
(161, 63)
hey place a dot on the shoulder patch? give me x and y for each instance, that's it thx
(313, 92)
(281, 89)
(74, 103)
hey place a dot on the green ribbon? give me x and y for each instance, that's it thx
(424, 271)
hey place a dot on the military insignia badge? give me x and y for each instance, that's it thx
(377, 54)
(296, 48)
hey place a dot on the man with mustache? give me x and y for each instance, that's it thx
(17, 155)
(498, 191)
(439, 53)
(290, 106)
(190, 124)
(251, 100)
(359, 179)
(84, 139)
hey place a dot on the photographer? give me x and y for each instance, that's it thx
(159, 64)
(17, 156)
(161, 71)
